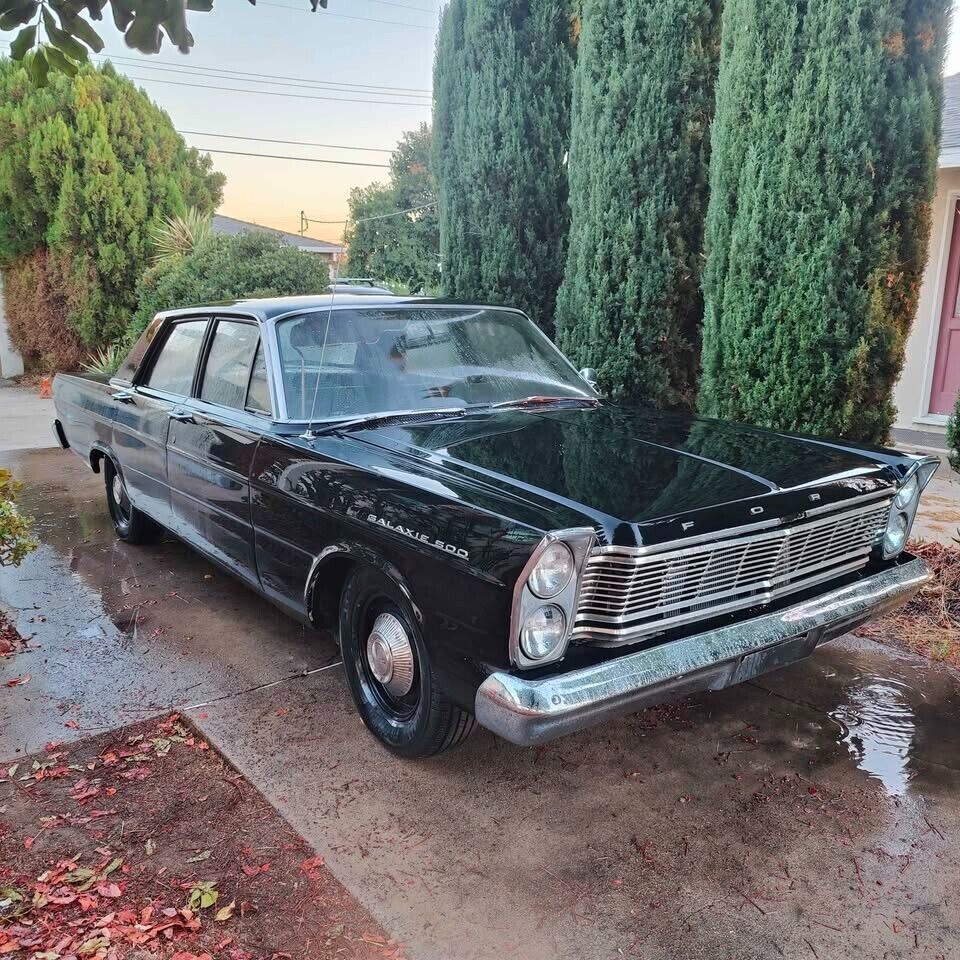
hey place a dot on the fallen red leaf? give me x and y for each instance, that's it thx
(254, 871)
(72, 724)
(19, 681)
(109, 890)
(311, 866)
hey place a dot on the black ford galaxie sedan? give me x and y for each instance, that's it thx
(491, 541)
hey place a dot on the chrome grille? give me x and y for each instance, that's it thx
(629, 593)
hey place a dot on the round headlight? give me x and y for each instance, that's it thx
(907, 493)
(896, 534)
(552, 572)
(543, 631)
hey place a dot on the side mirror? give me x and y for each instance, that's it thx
(590, 375)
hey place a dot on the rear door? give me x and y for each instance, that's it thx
(143, 416)
(211, 445)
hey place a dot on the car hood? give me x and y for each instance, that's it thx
(633, 465)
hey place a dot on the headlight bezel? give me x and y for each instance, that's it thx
(919, 474)
(579, 541)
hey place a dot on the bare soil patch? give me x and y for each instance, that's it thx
(930, 623)
(143, 843)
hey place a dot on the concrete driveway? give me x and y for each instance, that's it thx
(812, 814)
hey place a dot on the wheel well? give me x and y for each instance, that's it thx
(327, 587)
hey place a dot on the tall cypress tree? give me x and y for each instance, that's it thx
(824, 159)
(630, 303)
(501, 124)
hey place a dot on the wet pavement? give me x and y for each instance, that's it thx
(815, 813)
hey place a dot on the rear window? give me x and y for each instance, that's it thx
(128, 369)
(229, 359)
(173, 370)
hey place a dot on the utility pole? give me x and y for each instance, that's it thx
(303, 223)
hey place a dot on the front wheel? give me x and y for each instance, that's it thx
(389, 672)
(131, 524)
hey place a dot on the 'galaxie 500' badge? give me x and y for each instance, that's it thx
(420, 537)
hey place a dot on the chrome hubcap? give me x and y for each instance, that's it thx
(120, 498)
(390, 655)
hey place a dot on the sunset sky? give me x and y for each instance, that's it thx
(361, 50)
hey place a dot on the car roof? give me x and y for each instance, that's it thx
(269, 308)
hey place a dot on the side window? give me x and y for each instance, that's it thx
(173, 369)
(227, 372)
(258, 395)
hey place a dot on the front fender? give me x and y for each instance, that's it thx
(331, 566)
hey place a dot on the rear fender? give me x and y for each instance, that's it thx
(100, 452)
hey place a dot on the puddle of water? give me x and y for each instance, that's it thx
(880, 729)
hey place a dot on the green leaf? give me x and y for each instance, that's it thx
(203, 895)
(25, 39)
(38, 67)
(61, 39)
(59, 62)
(144, 35)
(18, 14)
(80, 28)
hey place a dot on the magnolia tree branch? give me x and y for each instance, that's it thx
(58, 35)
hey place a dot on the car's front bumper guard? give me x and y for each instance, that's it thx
(528, 712)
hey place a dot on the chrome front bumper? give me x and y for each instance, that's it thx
(528, 712)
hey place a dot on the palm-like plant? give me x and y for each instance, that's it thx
(106, 361)
(178, 236)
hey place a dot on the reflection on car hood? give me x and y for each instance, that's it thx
(632, 464)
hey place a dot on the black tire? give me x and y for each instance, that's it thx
(132, 525)
(419, 723)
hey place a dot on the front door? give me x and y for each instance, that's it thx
(946, 368)
(143, 417)
(211, 445)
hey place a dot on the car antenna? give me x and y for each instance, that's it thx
(309, 434)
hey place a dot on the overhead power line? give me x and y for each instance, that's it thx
(239, 76)
(275, 93)
(347, 16)
(295, 143)
(268, 76)
(382, 216)
(406, 6)
(330, 88)
(277, 156)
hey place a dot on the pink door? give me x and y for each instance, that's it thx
(946, 368)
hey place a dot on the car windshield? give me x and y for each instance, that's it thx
(353, 362)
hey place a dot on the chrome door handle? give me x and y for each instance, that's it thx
(181, 416)
(124, 396)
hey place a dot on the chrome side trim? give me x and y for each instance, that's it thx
(528, 712)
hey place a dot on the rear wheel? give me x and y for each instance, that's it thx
(389, 671)
(131, 524)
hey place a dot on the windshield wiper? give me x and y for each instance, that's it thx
(376, 419)
(538, 401)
